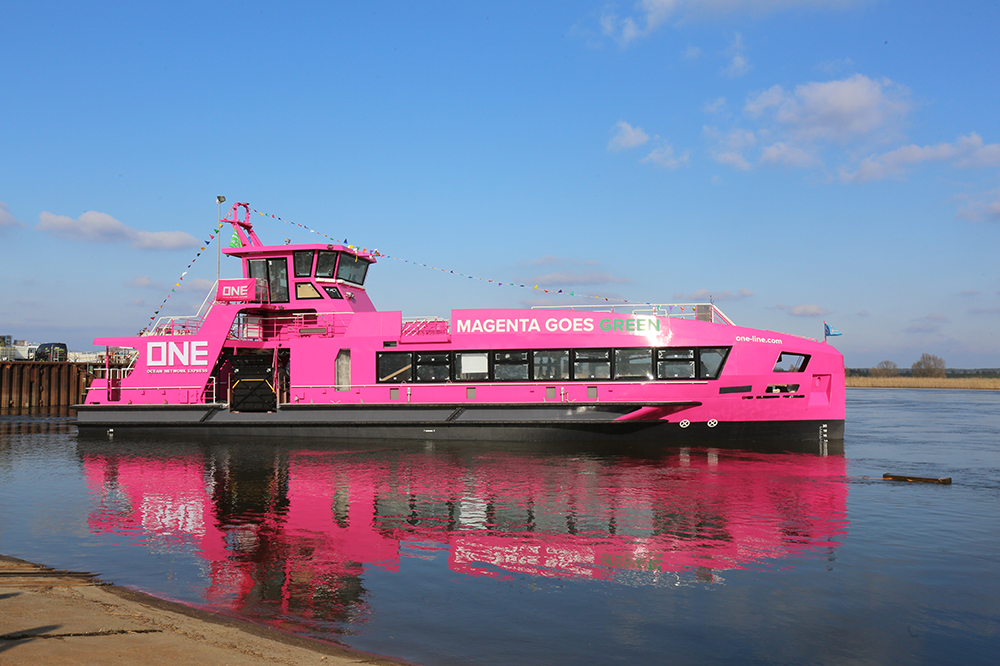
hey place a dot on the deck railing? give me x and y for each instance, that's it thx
(413, 326)
(285, 327)
(697, 311)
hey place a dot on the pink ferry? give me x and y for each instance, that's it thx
(296, 347)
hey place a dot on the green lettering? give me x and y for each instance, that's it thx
(619, 324)
(605, 324)
(630, 325)
(655, 323)
(640, 324)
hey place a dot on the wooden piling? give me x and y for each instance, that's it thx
(30, 384)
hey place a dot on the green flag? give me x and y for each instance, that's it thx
(235, 241)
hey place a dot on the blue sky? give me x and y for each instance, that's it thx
(797, 160)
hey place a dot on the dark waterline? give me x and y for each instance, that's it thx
(475, 555)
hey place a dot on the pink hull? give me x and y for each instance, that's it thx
(297, 345)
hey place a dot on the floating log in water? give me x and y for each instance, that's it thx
(916, 479)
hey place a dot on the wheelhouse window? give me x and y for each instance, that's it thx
(711, 360)
(675, 363)
(275, 271)
(634, 363)
(277, 279)
(592, 364)
(510, 366)
(326, 264)
(394, 367)
(789, 362)
(551, 364)
(352, 269)
(433, 366)
(332, 292)
(472, 366)
(303, 260)
(306, 290)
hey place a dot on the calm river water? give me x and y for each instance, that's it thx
(482, 555)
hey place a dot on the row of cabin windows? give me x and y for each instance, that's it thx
(330, 264)
(636, 364)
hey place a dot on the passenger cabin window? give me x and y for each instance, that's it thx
(433, 366)
(592, 364)
(634, 363)
(306, 290)
(788, 362)
(472, 366)
(551, 365)
(675, 363)
(394, 367)
(303, 262)
(510, 366)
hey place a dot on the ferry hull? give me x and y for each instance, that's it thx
(581, 424)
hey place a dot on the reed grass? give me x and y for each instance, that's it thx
(983, 383)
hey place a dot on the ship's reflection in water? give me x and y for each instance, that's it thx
(291, 534)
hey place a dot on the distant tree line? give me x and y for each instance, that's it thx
(928, 366)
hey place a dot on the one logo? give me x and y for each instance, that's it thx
(185, 353)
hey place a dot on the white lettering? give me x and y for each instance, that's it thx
(551, 325)
(199, 352)
(477, 326)
(588, 324)
(463, 325)
(176, 353)
(490, 326)
(151, 358)
(533, 326)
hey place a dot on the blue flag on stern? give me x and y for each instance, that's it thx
(829, 332)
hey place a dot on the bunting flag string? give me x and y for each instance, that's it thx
(445, 270)
(204, 244)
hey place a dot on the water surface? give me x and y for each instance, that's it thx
(499, 555)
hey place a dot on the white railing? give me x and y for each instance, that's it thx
(699, 311)
(283, 327)
(424, 326)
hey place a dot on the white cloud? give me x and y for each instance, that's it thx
(804, 310)
(704, 295)
(987, 209)
(839, 111)
(965, 151)
(98, 227)
(733, 159)
(7, 218)
(737, 67)
(716, 106)
(738, 64)
(627, 137)
(664, 157)
(569, 277)
(784, 154)
(651, 14)
(143, 282)
(691, 53)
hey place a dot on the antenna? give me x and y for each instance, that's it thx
(218, 248)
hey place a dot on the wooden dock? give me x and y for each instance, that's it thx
(30, 384)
